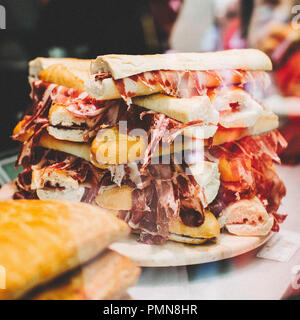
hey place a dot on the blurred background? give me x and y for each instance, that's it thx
(85, 29)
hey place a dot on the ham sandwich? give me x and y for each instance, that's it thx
(180, 145)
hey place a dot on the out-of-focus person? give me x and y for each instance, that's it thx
(225, 33)
(232, 35)
(267, 14)
(165, 13)
(272, 30)
(275, 30)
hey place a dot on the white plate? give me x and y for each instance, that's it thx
(179, 254)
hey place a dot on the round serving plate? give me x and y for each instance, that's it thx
(176, 254)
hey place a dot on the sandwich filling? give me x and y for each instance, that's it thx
(162, 193)
(185, 84)
(83, 113)
(72, 115)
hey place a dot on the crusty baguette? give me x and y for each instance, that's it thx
(183, 110)
(106, 277)
(116, 198)
(208, 230)
(106, 89)
(58, 194)
(267, 122)
(81, 150)
(43, 177)
(61, 123)
(37, 65)
(122, 66)
(246, 218)
(40, 240)
(72, 73)
(120, 198)
(73, 135)
(204, 108)
(60, 116)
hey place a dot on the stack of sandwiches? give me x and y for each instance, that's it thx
(57, 250)
(178, 144)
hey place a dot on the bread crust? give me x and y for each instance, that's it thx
(71, 73)
(39, 64)
(116, 198)
(202, 108)
(57, 194)
(107, 89)
(73, 135)
(247, 217)
(59, 115)
(208, 230)
(40, 240)
(81, 150)
(267, 122)
(120, 198)
(122, 66)
(104, 278)
(183, 110)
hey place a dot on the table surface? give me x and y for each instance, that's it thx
(243, 277)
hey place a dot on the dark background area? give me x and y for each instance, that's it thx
(82, 29)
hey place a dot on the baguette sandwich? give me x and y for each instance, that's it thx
(189, 152)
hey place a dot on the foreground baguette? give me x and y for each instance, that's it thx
(107, 277)
(40, 240)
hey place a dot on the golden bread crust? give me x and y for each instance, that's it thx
(61, 75)
(71, 73)
(120, 198)
(104, 278)
(209, 229)
(40, 240)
